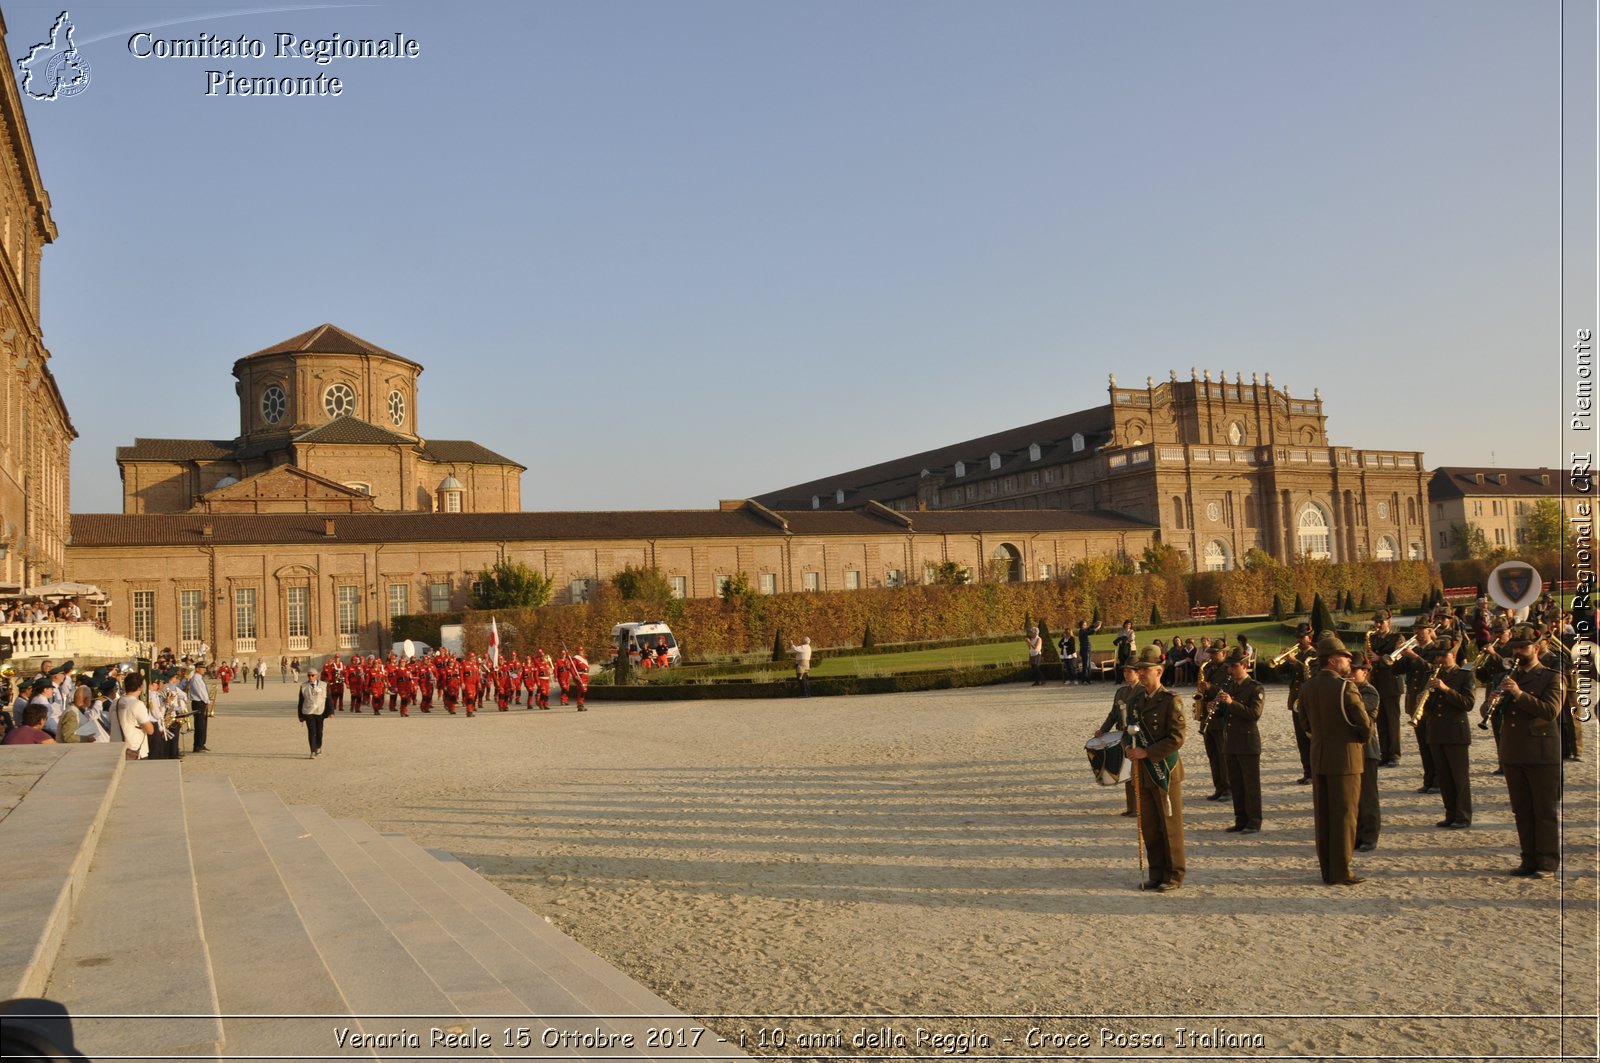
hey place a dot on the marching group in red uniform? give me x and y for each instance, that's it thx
(463, 683)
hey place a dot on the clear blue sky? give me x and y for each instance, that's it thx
(666, 253)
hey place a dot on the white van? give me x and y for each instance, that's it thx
(641, 633)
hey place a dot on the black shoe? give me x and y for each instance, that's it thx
(1218, 796)
(1524, 872)
(1235, 829)
(1424, 790)
(1353, 880)
(1498, 771)
(1304, 780)
(1167, 887)
(201, 749)
(1461, 824)
(1250, 830)
(1130, 812)
(1445, 823)
(1434, 790)
(1392, 762)
(1152, 884)
(1366, 847)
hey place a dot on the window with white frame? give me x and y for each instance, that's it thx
(399, 599)
(244, 613)
(680, 586)
(190, 615)
(348, 611)
(298, 613)
(1046, 570)
(1314, 539)
(894, 578)
(769, 583)
(1217, 556)
(852, 580)
(438, 596)
(720, 582)
(579, 589)
(1387, 549)
(144, 616)
(811, 581)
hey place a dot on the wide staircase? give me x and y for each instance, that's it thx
(180, 919)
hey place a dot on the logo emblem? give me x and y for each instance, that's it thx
(1514, 584)
(55, 68)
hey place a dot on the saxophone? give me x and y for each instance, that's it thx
(1427, 695)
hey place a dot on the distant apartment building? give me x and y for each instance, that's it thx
(1496, 501)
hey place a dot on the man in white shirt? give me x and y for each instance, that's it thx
(199, 706)
(135, 720)
(802, 665)
(312, 709)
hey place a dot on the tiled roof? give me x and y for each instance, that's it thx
(449, 451)
(1459, 481)
(326, 339)
(353, 430)
(186, 529)
(889, 479)
(176, 450)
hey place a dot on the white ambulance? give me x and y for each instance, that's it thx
(639, 636)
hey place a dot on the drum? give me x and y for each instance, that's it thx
(1106, 759)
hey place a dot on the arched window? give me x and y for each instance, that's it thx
(838, 496)
(1033, 452)
(1249, 511)
(1177, 511)
(994, 460)
(1218, 558)
(1314, 539)
(961, 468)
(1077, 441)
(1411, 511)
(816, 503)
(1414, 551)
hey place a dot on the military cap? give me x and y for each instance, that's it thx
(1302, 629)
(61, 669)
(1444, 644)
(1422, 622)
(41, 684)
(1238, 656)
(1379, 617)
(1524, 635)
(1496, 627)
(1150, 657)
(1331, 646)
(1362, 661)
(107, 687)
(1218, 646)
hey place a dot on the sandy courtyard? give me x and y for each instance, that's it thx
(941, 868)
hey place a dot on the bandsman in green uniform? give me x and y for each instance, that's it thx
(1154, 735)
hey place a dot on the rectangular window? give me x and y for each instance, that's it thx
(299, 626)
(1494, 507)
(399, 600)
(1522, 536)
(894, 578)
(1444, 539)
(721, 584)
(1033, 479)
(994, 488)
(972, 492)
(1046, 570)
(1499, 536)
(452, 501)
(680, 586)
(1477, 509)
(1049, 476)
(769, 583)
(144, 616)
(852, 580)
(349, 613)
(580, 591)
(190, 605)
(811, 581)
(244, 613)
(438, 597)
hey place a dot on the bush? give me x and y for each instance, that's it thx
(1155, 616)
(1277, 607)
(1052, 653)
(1299, 605)
(421, 627)
(868, 640)
(642, 584)
(780, 652)
(1321, 619)
(510, 584)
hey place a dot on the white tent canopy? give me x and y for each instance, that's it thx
(65, 589)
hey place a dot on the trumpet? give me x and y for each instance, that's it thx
(1277, 662)
(1394, 655)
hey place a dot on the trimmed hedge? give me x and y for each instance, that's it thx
(708, 627)
(838, 686)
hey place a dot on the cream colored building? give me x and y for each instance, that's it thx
(327, 421)
(1220, 466)
(36, 433)
(1496, 501)
(294, 583)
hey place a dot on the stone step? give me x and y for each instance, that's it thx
(263, 960)
(469, 985)
(377, 977)
(136, 946)
(603, 988)
(593, 978)
(61, 795)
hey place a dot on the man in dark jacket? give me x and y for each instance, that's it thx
(1339, 725)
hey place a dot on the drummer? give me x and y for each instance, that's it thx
(1158, 772)
(1117, 720)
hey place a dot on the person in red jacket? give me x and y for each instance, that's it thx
(452, 688)
(544, 672)
(580, 677)
(502, 687)
(333, 675)
(470, 685)
(408, 689)
(425, 681)
(356, 678)
(377, 685)
(564, 674)
(224, 675)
